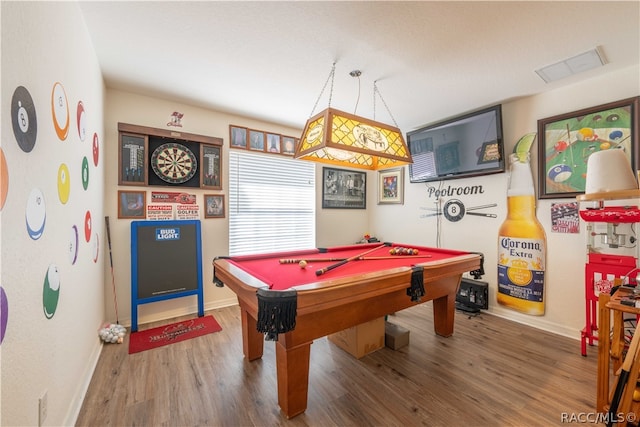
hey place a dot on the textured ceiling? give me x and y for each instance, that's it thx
(431, 60)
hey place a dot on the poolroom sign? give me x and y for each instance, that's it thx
(453, 209)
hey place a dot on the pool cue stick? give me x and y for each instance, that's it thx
(297, 260)
(344, 261)
(573, 162)
(366, 258)
(113, 280)
(623, 378)
(373, 258)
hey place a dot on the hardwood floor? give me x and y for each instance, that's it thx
(491, 372)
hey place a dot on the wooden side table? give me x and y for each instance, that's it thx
(611, 348)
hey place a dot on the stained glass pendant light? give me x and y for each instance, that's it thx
(342, 139)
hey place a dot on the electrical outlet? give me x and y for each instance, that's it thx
(42, 408)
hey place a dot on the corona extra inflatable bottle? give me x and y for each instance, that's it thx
(521, 244)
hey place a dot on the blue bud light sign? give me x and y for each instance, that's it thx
(164, 234)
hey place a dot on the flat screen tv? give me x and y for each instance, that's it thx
(461, 147)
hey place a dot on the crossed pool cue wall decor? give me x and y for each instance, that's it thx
(454, 210)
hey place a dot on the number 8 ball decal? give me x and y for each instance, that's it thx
(174, 163)
(453, 210)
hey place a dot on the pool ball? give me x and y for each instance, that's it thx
(560, 173)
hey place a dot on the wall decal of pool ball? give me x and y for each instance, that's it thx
(96, 247)
(87, 226)
(64, 184)
(560, 173)
(51, 291)
(81, 121)
(85, 173)
(73, 245)
(35, 214)
(96, 149)
(23, 119)
(60, 111)
(4, 179)
(4, 313)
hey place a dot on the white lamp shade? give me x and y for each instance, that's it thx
(609, 170)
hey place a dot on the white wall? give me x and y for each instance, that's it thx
(44, 43)
(566, 253)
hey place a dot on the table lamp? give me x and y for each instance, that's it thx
(608, 171)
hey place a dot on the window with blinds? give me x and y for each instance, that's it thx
(271, 203)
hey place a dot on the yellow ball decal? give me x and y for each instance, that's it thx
(64, 183)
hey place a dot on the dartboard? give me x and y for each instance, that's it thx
(174, 163)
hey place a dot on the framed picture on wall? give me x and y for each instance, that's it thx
(567, 140)
(391, 186)
(211, 167)
(132, 204)
(256, 140)
(214, 205)
(132, 163)
(288, 145)
(237, 137)
(343, 189)
(273, 143)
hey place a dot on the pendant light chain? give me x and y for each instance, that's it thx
(356, 73)
(330, 77)
(376, 90)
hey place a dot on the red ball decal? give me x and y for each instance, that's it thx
(87, 226)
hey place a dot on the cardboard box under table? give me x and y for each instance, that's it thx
(362, 339)
(395, 337)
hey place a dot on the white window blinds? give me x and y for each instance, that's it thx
(271, 203)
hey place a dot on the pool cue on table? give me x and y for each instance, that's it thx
(373, 258)
(297, 260)
(623, 378)
(344, 261)
(366, 258)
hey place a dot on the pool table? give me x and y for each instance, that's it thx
(293, 305)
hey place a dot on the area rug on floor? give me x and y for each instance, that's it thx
(169, 334)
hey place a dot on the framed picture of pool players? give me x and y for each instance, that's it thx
(343, 189)
(566, 141)
(391, 187)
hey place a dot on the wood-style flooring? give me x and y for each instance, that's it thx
(491, 372)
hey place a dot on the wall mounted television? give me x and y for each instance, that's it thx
(461, 147)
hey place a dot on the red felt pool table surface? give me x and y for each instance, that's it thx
(351, 294)
(277, 276)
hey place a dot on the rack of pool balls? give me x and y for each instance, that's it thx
(403, 251)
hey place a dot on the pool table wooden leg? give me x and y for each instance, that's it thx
(252, 340)
(444, 309)
(293, 377)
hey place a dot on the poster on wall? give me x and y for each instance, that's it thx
(159, 212)
(188, 211)
(565, 218)
(172, 197)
